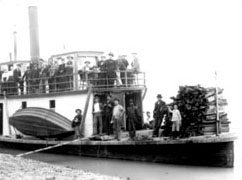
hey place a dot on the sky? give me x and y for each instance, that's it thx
(179, 42)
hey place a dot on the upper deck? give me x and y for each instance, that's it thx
(74, 83)
(62, 75)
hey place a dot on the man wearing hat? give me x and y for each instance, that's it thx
(97, 117)
(17, 78)
(110, 68)
(69, 71)
(61, 79)
(102, 74)
(107, 115)
(76, 123)
(132, 116)
(160, 111)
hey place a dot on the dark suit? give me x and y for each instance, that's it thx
(26, 76)
(61, 78)
(110, 67)
(17, 80)
(34, 76)
(159, 111)
(107, 116)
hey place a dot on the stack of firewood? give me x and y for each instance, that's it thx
(198, 110)
(193, 104)
(209, 124)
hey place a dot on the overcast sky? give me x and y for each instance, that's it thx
(178, 41)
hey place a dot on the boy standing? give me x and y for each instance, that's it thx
(176, 121)
(76, 124)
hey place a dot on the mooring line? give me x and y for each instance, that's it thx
(47, 148)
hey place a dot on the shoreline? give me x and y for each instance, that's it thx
(12, 168)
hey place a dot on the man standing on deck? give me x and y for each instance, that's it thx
(102, 74)
(17, 78)
(107, 115)
(69, 72)
(97, 117)
(118, 112)
(26, 77)
(132, 116)
(110, 68)
(159, 112)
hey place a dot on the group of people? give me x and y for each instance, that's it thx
(162, 113)
(57, 76)
(109, 72)
(108, 118)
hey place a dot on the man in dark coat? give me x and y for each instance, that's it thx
(35, 79)
(61, 76)
(160, 111)
(102, 74)
(107, 115)
(100, 63)
(26, 78)
(110, 68)
(69, 72)
(132, 116)
(17, 79)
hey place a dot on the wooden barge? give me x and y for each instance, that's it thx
(201, 150)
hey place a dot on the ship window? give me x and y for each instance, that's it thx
(52, 104)
(24, 105)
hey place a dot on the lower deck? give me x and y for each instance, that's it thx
(203, 150)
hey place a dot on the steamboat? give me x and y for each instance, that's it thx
(32, 118)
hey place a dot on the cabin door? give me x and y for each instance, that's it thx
(1, 118)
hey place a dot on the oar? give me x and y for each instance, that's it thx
(47, 148)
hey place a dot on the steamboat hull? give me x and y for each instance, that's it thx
(215, 151)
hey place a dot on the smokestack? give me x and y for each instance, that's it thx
(34, 34)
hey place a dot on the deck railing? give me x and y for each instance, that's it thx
(74, 82)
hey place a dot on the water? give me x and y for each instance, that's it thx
(135, 170)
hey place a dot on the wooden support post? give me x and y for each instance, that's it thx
(6, 110)
(86, 108)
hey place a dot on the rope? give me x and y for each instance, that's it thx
(47, 148)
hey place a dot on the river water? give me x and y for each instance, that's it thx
(136, 170)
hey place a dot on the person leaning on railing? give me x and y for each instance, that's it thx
(61, 76)
(26, 79)
(17, 80)
(53, 67)
(69, 72)
(110, 68)
(44, 74)
(122, 65)
(34, 79)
